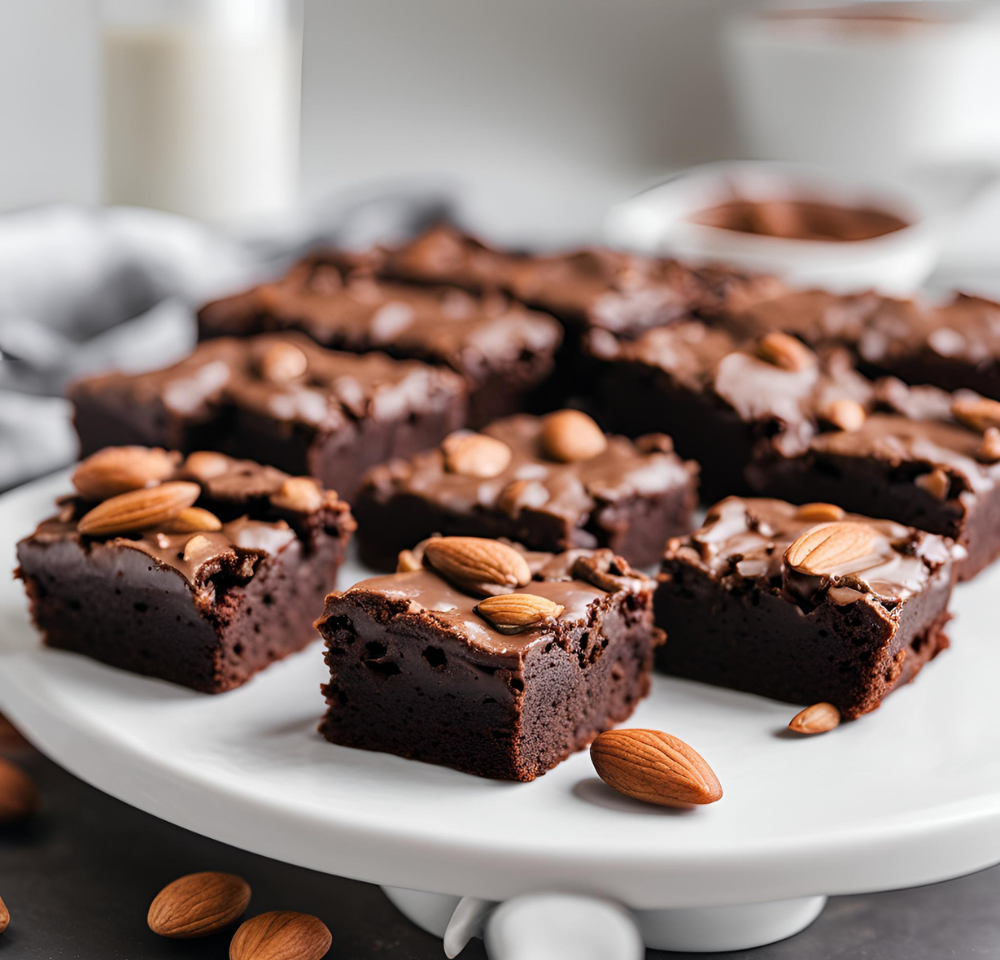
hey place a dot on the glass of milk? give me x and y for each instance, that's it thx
(201, 103)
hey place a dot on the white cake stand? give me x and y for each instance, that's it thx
(908, 795)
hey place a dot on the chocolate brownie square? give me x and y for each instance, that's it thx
(550, 483)
(804, 604)
(485, 659)
(503, 350)
(201, 571)
(281, 399)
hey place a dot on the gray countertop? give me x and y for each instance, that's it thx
(79, 878)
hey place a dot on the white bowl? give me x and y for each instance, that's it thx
(657, 222)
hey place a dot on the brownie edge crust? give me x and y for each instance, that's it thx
(416, 672)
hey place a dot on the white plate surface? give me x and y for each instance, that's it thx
(907, 795)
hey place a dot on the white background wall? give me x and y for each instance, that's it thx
(548, 110)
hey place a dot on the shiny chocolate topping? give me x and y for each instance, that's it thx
(533, 480)
(746, 540)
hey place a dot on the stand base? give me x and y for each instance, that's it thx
(689, 930)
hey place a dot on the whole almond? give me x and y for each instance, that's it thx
(819, 512)
(846, 415)
(139, 509)
(198, 904)
(283, 362)
(786, 352)
(517, 612)
(937, 483)
(818, 718)
(476, 565)
(989, 449)
(4, 917)
(120, 469)
(569, 435)
(19, 798)
(977, 413)
(206, 464)
(281, 935)
(193, 520)
(299, 494)
(654, 767)
(475, 455)
(824, 548)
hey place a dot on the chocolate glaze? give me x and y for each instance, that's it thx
(746, 539)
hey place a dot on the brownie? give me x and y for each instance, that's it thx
(723, 396)
(203, 576)
(281, 399)
(921, 456)
(506, 687)
(503, 350)
(804, 604)
(517, 479)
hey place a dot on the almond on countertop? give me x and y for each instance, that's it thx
(818, 718)
(822, 549)
(517, 612)
(198, 904)
(473, 564)
(654, 767)
(139, 509)
(569, 435)
(281, 935)
(19, 797)
(116, 470)
(475, 455)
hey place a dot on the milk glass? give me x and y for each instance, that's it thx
(201, 106)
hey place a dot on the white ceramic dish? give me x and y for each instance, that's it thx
(908, 795)
(656, 222)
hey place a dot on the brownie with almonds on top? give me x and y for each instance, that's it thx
(550, 483)
(804, 604)
(484, 658)
(200, 570)
(280, 399)
(502, 350)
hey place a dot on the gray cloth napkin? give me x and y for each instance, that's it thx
(84, 290)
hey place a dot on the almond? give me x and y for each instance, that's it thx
(193, 520)
(937, 483)
(989, 449)
(478, 566)
(521, 494)
(818, 718)
(654, 767)
(517, 612)
(785, 352)
(139, 509)
(407, 562)
(283, 362)
(198, 547)
(299, 494)
(19, 797)
(830, 545)
(819, 512)
(120, 469)
(281, 935)
(4, 917)
(206, 464)
(846, 415)
(569, 435)
(198, 904)
(977, 412)
(475, 455)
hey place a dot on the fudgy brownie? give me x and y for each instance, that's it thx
(722, 395)
(550, 483)
(483, 658)
(503, 350)
(280, 399)
(804, 604)
(200, 571)
(921, 456)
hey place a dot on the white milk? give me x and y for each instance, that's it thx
(202, 120)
